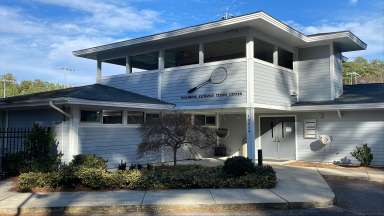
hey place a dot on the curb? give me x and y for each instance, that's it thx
(153, 209)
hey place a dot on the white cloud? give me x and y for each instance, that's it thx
(369, 29)
(36, 49)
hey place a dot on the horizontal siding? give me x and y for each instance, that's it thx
(176, 83)
(26, 118)
(120, 143)
(141, 83)
(314, 74)
(355, 129)
(273, 85)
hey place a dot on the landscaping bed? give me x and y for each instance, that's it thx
(90, 173)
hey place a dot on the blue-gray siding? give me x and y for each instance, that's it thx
(176, 83)
(273, 85)
(26, 118)
(354, 129)
(314, 74)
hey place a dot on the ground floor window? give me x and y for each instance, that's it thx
(112, 117)
(207, 120)
(135, 117)
(92, 116)
(152, 117)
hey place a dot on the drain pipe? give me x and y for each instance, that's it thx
(58, 109)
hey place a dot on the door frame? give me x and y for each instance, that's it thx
(278, 115)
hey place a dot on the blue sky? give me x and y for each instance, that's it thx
(37, 37)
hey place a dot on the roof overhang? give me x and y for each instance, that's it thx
(76, 101)
(345, 40)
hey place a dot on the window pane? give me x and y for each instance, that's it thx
(210, 120)
(148, 61)
(90, 116)
(225, 49)
(152, 117)
(181, 56)
(199, 120)
(112, 117)
(285, 58)
(263, 50)
(135, 117)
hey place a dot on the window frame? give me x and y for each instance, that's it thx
(100, 113)
(122, 117)
(205, 120)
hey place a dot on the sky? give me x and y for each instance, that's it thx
(37, 37)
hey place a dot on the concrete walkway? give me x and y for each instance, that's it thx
(297, 187)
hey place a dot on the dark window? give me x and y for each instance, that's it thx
(90, 116)
(210, 120)
(205, 120)
(152, 117)
(143, 62)
(112, 117)
(226, 49)
(135, 117)
(199, 120)
(263, 50)
(181, 56)
(285, 58)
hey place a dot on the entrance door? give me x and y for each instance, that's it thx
(278, 137)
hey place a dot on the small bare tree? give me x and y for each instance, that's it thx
(174, 130)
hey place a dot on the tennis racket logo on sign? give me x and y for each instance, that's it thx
(219, 75)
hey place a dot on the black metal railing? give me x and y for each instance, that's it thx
(12, 141)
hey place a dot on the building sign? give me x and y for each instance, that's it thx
(212, 95)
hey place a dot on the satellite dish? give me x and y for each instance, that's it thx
(325, 139)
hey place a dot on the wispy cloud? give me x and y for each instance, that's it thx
(38, 48)
(370, 29)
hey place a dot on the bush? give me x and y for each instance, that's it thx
(94, 178)
(238, 166)
(363, 155)
(41, 148)
(15, 164)
(88, 161)
(30, 180)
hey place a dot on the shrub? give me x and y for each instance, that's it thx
(41, 147)
(122, 166)
(88, 161)
(94, 178)
(132, 179)
(363, 155)
(30, 180)
(238, 166)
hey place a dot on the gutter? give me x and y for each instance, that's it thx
(51, 104)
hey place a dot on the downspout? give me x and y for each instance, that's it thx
(339, 114)
(58, 109)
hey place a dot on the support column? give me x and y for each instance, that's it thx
(128, 68)
(276, 56)
(161, 67)
(73, 142)
(250, 115)
(98, 71)
(201, 53)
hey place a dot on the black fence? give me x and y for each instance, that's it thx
(12, 141)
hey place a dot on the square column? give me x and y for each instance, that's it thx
(250, 119)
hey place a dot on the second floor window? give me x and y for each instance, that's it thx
(263, 50)
(285, 58)
(225, 49)
(180, 56)
(144, 62)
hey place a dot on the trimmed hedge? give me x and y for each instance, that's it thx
(163, 177)
(90, 171)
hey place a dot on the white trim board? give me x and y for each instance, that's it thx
(222, 24)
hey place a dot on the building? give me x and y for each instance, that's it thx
(272, 87)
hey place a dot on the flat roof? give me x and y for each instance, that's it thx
(354, 94)
(347, 40)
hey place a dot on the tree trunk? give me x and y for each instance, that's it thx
(174, 156)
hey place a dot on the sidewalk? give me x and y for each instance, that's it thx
(362, 173)
(297, 187)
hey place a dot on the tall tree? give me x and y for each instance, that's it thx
(173, 131)
(13, 88)
(364, 70)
